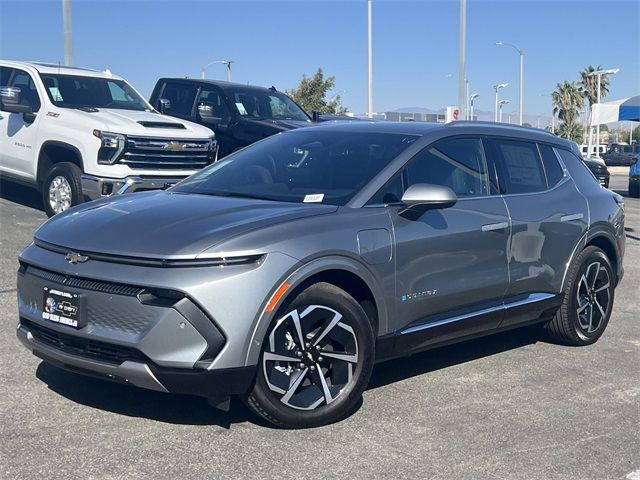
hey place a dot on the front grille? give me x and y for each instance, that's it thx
(86, 283)
(104, 352)
(166, 153)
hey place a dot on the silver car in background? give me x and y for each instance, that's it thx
(284, 272)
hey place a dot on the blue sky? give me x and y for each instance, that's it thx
(275, 42)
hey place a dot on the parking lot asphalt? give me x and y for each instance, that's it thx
(509, 406)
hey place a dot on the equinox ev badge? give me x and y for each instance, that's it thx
(74, 258)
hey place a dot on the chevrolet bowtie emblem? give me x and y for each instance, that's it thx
(73, 257)
(174, 146)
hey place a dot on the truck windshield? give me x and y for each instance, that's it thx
(74, 91)
(266, 105)
(309, 165)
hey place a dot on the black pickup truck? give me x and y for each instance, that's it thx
(238, 114)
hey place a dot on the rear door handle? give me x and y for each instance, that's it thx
(494, 226)
(570, 218)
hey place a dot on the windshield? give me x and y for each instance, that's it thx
(306, 165)
(73, 91)
(266, 105)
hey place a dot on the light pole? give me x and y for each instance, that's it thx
(497, 87)
(369, 61)
(462, 66)
(598, 74)
(500, 104)
(520, 95)
(228, 64)
(471, 98)
(68, 32)
(202, 70)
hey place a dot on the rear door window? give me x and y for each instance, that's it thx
(182, 97)
(552, 168)
(519, 166)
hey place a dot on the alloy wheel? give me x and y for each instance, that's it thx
(310, 357)
(593, 298)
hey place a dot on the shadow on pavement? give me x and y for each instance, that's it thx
(439, 358)
(138, 402)
(192, 410)
(17, 193)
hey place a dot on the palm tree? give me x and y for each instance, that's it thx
(589, 84)
(567, 100)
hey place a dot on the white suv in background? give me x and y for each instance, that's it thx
(79, 134)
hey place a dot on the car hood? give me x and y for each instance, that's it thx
(165, 224)
(279, 125)
(132, 122)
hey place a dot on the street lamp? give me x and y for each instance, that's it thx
(520, 95)
(497, 87)
(471, 98)
(598, 73)
(500, 104)
(228, 64)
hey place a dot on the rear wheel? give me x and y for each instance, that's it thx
(316, 360)
(61, 189)
(588, 300)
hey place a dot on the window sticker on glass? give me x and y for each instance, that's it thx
(55, 93)
(314, 198)
(241, 109)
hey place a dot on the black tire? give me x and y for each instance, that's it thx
(71, 173)
(634, 189)
(590, 267)
(268, 404)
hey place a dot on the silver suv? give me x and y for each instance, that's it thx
(284, 272)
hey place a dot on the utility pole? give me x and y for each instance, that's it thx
(462, 69)
(68, 34)
(370, 60)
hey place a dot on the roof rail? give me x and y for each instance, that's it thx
(463, 123)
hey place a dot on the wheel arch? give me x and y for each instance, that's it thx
(52, 152)
(602, 239)
(343, 272)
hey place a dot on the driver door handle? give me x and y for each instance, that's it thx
(495, 226)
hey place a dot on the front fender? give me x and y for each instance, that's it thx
(296, 278)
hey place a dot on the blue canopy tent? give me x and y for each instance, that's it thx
(626, 110)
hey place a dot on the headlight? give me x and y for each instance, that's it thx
(112, 146)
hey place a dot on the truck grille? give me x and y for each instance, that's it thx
(166, 153)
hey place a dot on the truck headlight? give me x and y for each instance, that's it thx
(113, 145)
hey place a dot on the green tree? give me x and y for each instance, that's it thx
(567, 100)
(589, 84)
(312, 91)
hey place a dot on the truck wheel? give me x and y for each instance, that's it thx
(316, 360)
(61, 189)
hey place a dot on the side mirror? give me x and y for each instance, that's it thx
(426, 195)
(10, 100)
(165, 106)
(205, 111)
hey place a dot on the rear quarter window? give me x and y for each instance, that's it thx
(552, 168)
(580, 173)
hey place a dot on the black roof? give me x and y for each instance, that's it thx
(218, 83)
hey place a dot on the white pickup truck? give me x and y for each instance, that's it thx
(79, 134)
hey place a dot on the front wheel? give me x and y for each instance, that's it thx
(316, 360)
(61, 189)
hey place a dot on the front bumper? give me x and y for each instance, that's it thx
(94, 187)
(206, 383)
